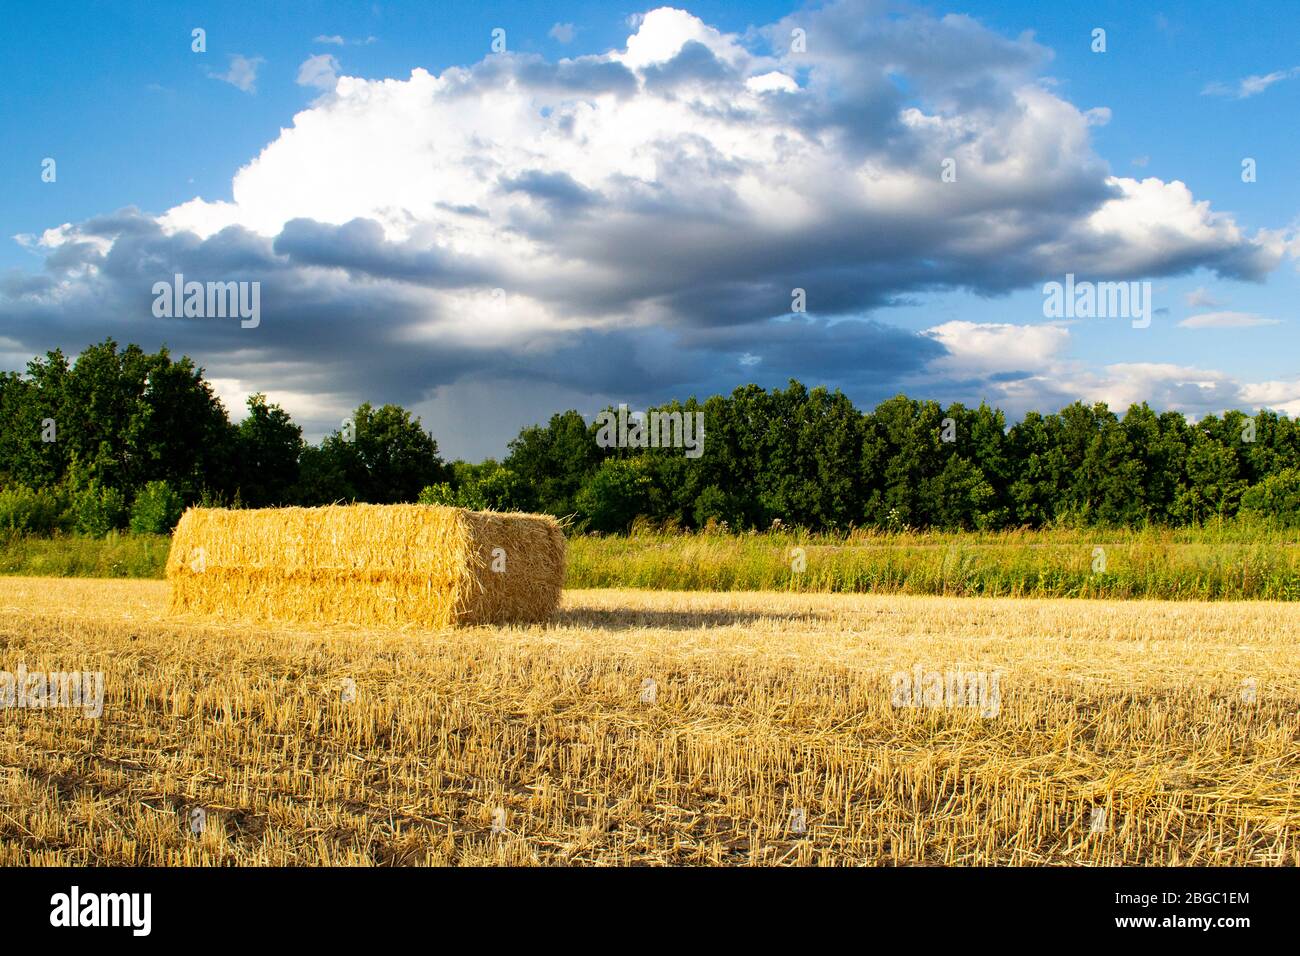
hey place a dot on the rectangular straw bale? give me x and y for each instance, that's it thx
(367, 564)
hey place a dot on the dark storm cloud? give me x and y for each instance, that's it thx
(581, 76)
(559, 190)
(360, 248)
(17, 284)
(128, 221)
(693, 64)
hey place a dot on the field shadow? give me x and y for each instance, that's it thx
(622, 619)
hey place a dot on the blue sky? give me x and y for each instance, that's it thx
(135, 118)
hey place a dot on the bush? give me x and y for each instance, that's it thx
(485, 487)
(714, 508)
(156, 509)
(498, 488)
(440, 494)
(617, 493)
(98, 509)
(1275, 500)
(29, 511)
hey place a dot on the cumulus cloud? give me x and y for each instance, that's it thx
(1194, 391)
(1280, 396)
(1016, 367)
(997, 348)
(562, 32)
(242, 73)
(646, 213)
(1022, 368)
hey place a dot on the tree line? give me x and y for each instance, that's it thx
(121, 438)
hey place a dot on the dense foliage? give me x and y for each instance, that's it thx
(122, 436)
(810, 458)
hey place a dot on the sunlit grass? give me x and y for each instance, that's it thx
(1206, 563)
(1230, 561)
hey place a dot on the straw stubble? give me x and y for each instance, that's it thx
(389, 565)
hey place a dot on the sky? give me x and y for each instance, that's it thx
(492, 212)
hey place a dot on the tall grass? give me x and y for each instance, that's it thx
(1210, 563)
(1231, 561)
(74, 556)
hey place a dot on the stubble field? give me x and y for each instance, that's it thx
(660, 728)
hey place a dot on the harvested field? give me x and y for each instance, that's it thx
(660, 727)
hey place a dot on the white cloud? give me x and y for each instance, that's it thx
(302, 406)
(242, 73)
(1251, 85)
(335, 40)
(991, 347)
(1021, 368)
(774, 81)
(1279, 396)
(662, 33)
(320, 71)
(1187, 389)
(1015, 367)
(562, 32)
(1153, 221)
(1226, 320)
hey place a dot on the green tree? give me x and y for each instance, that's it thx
(385, 457)
(1038, 483)
(124, 416)
(1214, 483)
(808, 456)
(268, 446)
(323, 477)
(30, 510)
(1115, 474)
(156, 509)
(961, 497)
(30, 412)
(1275, 500)
(98, 509)
(553, 461)
(488, 486)
(1270, 445)
(906, 437)
(615, 495)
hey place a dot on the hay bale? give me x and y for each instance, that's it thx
(367, 565)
